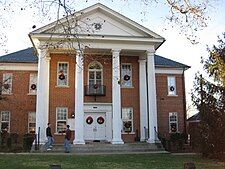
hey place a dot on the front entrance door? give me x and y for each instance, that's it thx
(94, 126)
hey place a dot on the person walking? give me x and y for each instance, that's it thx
(67, 139)
(50, 140)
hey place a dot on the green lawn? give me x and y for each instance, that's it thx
(154, 161)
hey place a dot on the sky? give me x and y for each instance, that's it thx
(18, 22)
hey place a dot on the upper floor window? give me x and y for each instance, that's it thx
(61, 119)
(33, 84)
(171, 82)
(31, 122)
(5, 121)
(7, 83)
(173, 122)
(126, 75)
(127, 118)
(95, 75)
(62, 74)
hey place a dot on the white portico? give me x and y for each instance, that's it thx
(108, 31)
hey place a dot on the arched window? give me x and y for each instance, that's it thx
(95, 74)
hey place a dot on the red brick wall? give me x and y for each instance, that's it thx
(166, 104)
(19, 103)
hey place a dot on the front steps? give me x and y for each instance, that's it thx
(107, 148)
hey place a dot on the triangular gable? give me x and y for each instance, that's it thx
(100, 20)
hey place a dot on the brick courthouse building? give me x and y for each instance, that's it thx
(116, 90)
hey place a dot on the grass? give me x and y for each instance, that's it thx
(142, 161)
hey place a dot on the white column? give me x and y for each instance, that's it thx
(79, 100)
(116, 98)
(143, 98)
(42, 104)
(152, 107)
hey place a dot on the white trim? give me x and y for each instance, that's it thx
(56, 117)
(168, 71)
(19, 66)
(173, 114)
(131, 80)
(95, 70)
(105, 10)
(132, 119)
(57, 73)
(28, 122)
(5, 121)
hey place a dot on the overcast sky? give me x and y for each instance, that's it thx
(18, 23)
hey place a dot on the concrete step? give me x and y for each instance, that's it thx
(106, 148)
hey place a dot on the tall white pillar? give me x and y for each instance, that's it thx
(116, 98)
(152, 107)
(79, 100)
(42, 104)
(143, 98)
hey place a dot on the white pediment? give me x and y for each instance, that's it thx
(98, 20)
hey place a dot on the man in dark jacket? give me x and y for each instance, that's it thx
(67, 139)
(50, 141)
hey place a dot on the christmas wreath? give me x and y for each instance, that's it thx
(126, 77)
(172, 88)
(100, 120)
(89, 120)
(6, 86)
(95, 86)
(62, 76)
(33, 86)
(127, 124)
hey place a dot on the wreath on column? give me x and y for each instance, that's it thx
(100, 120)
(89, 120)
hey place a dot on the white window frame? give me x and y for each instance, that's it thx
(30, 121)
(1, 121)
(33, 80)
(95, 70)
(123, 83)
(131, 120)
(65, 74)
(176, 121)
(171, 82)
(61, 120)
(7, 81)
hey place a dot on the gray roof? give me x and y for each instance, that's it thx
(22, 56)
(195, 117)
(28, 56)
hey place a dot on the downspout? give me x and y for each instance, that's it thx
(184, 102)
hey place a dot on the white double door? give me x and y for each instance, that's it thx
(94, 126)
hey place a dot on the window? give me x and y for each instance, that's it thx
(95, 74)
(33, 84)
(7, 83)
(126, 75)
(127, 118)
(62, 74)
(61, 119)
(31, 122)
(5, 120)
(171, 81)
(173, 122)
